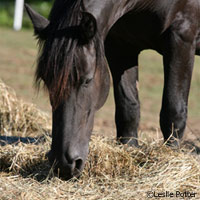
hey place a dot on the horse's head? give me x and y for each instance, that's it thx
(73, 67)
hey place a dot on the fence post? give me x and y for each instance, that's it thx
(18, 16)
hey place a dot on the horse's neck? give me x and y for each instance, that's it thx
(107, 12)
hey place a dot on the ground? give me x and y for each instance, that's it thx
(112, 171)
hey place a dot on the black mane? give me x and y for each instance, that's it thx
(57, 63)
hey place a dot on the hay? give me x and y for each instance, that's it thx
(111, 172)
(20, 118)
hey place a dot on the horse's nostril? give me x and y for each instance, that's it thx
(78, 163)
(78, 166)
(66, 168)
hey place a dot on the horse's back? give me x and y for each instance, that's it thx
(143, 29)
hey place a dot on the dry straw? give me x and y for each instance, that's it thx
(112, 171)
(18, 117)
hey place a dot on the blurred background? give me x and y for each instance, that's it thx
(7, 8)
(18, 54)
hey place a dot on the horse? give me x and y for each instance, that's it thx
(83, 39)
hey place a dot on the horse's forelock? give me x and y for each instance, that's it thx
(58, 64)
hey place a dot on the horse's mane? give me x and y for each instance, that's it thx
(58, 64)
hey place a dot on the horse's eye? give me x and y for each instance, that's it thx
(86, 82)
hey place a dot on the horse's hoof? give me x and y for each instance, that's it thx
(173, 143)
(132, 142)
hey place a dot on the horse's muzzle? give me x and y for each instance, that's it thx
(66, 169)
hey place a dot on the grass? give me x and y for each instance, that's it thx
(7, 8)
(17, 62)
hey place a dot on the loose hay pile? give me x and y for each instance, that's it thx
(20, 118)
(111, 172)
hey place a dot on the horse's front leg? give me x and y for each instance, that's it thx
(178, 66)
(123, 63)
(127, 113)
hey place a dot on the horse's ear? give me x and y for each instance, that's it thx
(40, 23)
(88, 27)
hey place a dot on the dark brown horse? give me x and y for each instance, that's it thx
(74, 45)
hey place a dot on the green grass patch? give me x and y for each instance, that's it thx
(7, 12)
